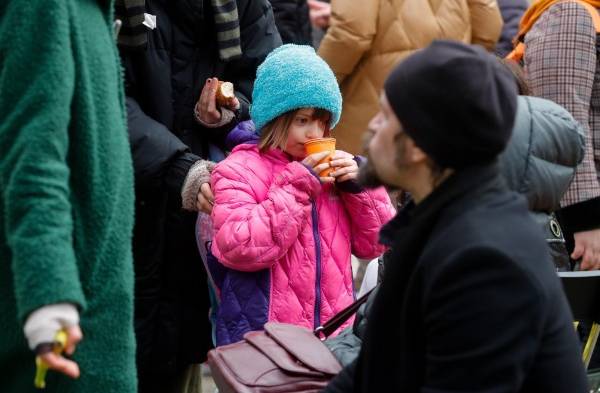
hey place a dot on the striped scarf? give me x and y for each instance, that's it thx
(134, 33)
(228, 29)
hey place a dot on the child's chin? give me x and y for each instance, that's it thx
(298, 155)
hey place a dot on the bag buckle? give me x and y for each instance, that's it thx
(317, 332)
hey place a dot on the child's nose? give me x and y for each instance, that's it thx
(314, 131)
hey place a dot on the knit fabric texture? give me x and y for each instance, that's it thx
(294, 77)
(227, 24)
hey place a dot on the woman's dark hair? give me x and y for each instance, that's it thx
(517, 71)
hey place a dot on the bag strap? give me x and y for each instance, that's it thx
(519, 51)
(338, 319)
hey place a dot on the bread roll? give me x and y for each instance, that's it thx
(225, 93)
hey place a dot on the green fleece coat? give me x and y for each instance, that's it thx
(66, 190)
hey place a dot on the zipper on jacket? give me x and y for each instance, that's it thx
(315, 227)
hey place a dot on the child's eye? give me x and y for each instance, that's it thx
(301, 120)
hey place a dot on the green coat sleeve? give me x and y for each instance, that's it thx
(37, 81)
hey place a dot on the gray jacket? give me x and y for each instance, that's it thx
(546, 147)
(539, 162)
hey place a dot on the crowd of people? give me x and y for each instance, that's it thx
(150, 220)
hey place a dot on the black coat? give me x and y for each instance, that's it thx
(512, 11)
(163, 83)
(293, 21)
(470, 301)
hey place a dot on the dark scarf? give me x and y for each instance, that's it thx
(407, 235)
(133, 33)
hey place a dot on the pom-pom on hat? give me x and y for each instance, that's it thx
(290, 78)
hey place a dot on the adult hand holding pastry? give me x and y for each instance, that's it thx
(216, 103)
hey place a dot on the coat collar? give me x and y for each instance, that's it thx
(466, 183)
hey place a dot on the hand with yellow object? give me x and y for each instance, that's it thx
(41, 367)
(52, 330)
(50, 356)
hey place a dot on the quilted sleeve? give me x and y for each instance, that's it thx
(486, 23)
(252, 235)
(353, 25)
(369, 210)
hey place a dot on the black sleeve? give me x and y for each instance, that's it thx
(466, 324)
(159, 157)
(292, 19)
(344, 381)
(259, 37)
(582, 216)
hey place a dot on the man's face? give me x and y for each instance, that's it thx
(384, 148)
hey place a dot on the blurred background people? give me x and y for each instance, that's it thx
(512, 11)
(365, 40)
(293, 21)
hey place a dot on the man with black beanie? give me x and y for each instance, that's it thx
(470, 301)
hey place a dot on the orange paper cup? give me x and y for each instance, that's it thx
(318, 145)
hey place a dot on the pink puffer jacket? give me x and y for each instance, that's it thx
(273, 214)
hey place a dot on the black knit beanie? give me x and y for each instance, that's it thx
(456, 101)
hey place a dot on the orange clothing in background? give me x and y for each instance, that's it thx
(537, 9)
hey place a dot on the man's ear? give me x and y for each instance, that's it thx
(414, 154)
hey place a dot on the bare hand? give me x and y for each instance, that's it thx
(58, 362)
(587, 247)
(312, 162)
(319, 12)
(207, 107)
(345, 167)
(205, 199)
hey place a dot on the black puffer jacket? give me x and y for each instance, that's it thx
(163, 83)
(293, 22)
(539, 162)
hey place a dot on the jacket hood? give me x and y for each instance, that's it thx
(546, 146)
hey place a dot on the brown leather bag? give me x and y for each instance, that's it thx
(283, 358)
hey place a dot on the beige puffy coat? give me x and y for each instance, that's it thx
(367, 38)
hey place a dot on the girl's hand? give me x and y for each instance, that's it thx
(345, 167)
(312, 162)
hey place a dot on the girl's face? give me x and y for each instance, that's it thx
(305, 126)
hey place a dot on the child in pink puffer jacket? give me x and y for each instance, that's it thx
(284, 234)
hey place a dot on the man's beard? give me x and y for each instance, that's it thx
(367, 175)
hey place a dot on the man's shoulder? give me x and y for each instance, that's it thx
(502, 226)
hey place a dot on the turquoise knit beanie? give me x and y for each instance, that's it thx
(294, 77)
